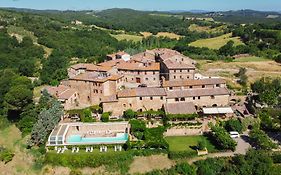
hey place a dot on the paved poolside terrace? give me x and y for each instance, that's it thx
(75, 134)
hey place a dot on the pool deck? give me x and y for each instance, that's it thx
(89, 134)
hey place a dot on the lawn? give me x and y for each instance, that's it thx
(217, 42)
(251, 59)
(186, 143)
(134, 38)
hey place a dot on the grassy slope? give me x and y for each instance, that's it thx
(217, 42)
(134, 38)
(184, 143)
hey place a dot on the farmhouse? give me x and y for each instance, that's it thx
(151, 80)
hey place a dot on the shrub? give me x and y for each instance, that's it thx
(233, 125)
(181, 117)
(222, 138)
(201, 144)
(105, 117)
(6, 155)
(181, 154)
(261, 140)
(75, 172)
(129, 114)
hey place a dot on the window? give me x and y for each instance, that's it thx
(175, 71)
(151, 98)
(132, 79)
(175, 77)
(130, 105)
(161, 98)
(153, 72)
(180, 77)
(203, 86)
(145, 72)
(199, 98)
(170, 88)
(176, 99)
(124, 105)
(154, 79)
(190, 87)
(146, 78)
(180, 70)
(140, 98)
(182, 99)
(217, 85)
(187, 77)
(212, 97)
(193, 98)
(101, 91)
(188, 70)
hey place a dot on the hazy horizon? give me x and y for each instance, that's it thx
(155, 5)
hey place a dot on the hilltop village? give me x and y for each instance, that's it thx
(151, 80)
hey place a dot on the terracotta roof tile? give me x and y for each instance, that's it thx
(206, 81)
(61, 91)
(95, 77)
(142, 92)
(180, 108)
(138, 66)
(91, 67)
(197, 92)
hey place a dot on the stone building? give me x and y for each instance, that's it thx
(67, 96)
(137, 99)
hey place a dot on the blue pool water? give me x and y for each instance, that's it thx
(77, 139)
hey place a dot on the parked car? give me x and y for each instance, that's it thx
(234, 134)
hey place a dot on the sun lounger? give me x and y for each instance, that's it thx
(92, 149)
(77, 150)
(73, 149)
(59, 150)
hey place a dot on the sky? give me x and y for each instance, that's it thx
(159, 5)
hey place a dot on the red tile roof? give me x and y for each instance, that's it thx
(206, 81)
(142, 92)
(197, 92)
(91, 67)
(138, 66)
(180, 108)
(61, 91)
(95, 77)
(177, 65)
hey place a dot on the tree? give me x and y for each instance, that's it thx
(268, 90)
(227, 49)
(261, 140)
(129, 114)
(233, 125)
(46, 122)
(185, 168)
(105, 117)
(222, 138)
(18, 97)
(243, 78)
(27, 67)
(202, 144)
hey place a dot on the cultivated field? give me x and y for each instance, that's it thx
(217, 42)
(208, 29)
(169, 35)
(256, 68)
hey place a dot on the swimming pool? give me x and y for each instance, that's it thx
(77, 139)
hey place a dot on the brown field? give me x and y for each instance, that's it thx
(255, 70)
(169, 35)
(146, 34)
(146, 164)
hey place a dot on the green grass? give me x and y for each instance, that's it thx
(250, 59)
(185, 143)
(134, 38)
(217, 42)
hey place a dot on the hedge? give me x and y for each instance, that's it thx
(181, 154)
(113, 161)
